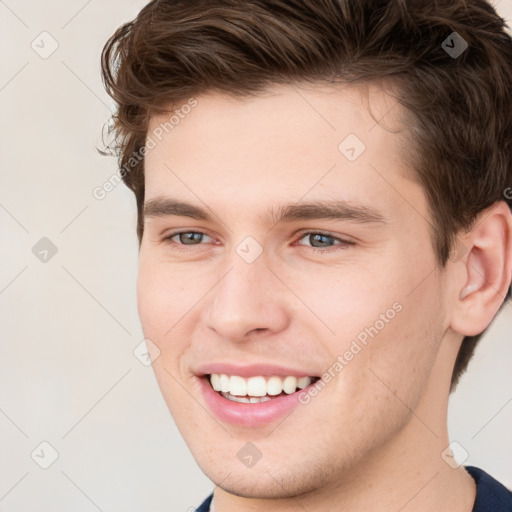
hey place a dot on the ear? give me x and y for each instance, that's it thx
(483, 283)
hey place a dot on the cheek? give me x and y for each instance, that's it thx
(402, 355)
(149, 299)
(346, 300)
(390, 367)
(160, 307)
(386, 318)
(164, 295)
(168, 308)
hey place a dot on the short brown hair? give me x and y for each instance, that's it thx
(461, 102)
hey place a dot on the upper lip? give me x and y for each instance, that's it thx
(250, 370)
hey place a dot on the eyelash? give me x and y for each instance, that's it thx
(341, 245)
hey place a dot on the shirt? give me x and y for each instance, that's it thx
(491, 495)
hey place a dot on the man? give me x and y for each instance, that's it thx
(323, 191)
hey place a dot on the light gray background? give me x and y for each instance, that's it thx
(68, 375)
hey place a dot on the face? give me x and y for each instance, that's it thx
(288, 281)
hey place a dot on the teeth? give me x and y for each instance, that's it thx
(244, 399)
(303, 382)
(258, 399)
(274, 386)
(224, 383)
(290, 385)
(234, 398)
(256, 388)
(237, 386)
(215, 381)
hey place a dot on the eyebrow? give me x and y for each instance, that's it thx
(316, 210)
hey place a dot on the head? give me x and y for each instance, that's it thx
(250, 110)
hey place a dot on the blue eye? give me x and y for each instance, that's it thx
(186, 237)
(324, 240)
(318, 242)
(320, 238)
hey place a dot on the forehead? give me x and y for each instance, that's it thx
(284, 144)
(291, 111)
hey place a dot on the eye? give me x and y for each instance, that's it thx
(186, 237)
(320, 241)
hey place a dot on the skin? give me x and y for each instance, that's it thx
(372, 439)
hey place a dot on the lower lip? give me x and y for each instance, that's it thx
(248, 415)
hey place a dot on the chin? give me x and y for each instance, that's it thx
(269, 479)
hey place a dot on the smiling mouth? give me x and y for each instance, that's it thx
(257, 389)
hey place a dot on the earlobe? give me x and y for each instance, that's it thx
(488, 270)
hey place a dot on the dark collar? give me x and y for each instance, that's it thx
(491, 495)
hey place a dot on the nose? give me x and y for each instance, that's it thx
(249, 301)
